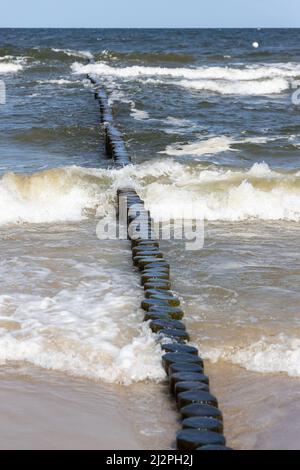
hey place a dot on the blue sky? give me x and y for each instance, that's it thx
(150, 13)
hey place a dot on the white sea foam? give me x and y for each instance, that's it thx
(139, 114)
(117, 95)
(72, 53)
(228, 195)
(107, 54)
(208, 146)
(12, 64)
(73, 193)
(54, 195)
(59, 81)
(6, 57)
(250, 80)
(211, 145)
(254, 72)
(243, 87)
(268, 355)
(10, 67)
(217, 194)
(85, 328)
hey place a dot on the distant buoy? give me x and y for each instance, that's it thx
(255, 45)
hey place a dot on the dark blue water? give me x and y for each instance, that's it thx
(47, 115)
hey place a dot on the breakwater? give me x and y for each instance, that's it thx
(201, 419)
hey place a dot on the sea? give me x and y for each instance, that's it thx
(211, 121)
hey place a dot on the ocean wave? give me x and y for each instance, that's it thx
(248, 80)
(245, 87)
(225, 195)
(267, 355)
(254, 72)
(6, 58)
(168, 188)
(40, 54)
(59, 81)
(53, 195)
(72, 53)
(135, 362)
(10, 67)
(48, 135)
(150, 57)
(77, 329)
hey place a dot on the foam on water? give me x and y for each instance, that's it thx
(208, 146)
(220, 194)
(211, 145)
(9, 67)
(117, 95)
(246, 87)
(59, 81)
(248, 80)
(73, 193)
(72, 53)
(139, 114)
(267, 355)
(251, 72)
(50, 196)
(85, 327)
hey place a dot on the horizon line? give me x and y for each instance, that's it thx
(151, 27)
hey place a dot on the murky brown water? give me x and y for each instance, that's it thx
(48, 410)
(79, 370)
(261, 412)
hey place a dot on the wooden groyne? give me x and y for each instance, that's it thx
(201, 419)
(114, 142)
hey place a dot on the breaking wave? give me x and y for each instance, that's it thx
(74, 193)
(10, 67)
(76, 329)
(267, 355)
(72, 53)
(248, 80)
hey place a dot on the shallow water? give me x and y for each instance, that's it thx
(42, 410)
(69, 305)
(211, 128)
(261, 411)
